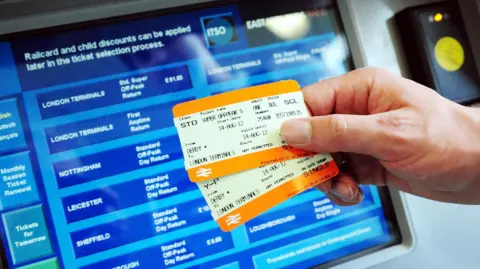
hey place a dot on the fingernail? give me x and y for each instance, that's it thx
(344, 191)
(361, 196)
(296, 132)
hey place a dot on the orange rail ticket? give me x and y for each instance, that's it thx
(238, 198)
(238, 130)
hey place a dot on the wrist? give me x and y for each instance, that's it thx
(469, 118)
(471, 136)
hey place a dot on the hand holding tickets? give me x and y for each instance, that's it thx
(233, 150)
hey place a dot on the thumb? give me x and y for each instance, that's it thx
(339, 133)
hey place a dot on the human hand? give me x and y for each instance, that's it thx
(391, 131)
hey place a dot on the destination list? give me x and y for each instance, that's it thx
(113, 91)
(110, 127)
(298, 216)
(125, 231)
(119, 196)
(105, 164)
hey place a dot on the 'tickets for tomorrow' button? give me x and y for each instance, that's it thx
(27, 234)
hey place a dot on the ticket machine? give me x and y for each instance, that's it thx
(91, 168)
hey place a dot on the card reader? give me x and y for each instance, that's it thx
(438, 52)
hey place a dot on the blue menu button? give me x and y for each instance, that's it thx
(27, 234)
(320, 244)
(11, 131)
(233, 265)
(9, 83)
(17, 181)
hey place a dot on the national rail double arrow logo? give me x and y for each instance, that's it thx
(204, 172)
(233, 219)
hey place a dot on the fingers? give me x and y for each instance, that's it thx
(338, 201)
(342, 190)
(369, 135)
(369, 171)
(356, 92)
(325, 187)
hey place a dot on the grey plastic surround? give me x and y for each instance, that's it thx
(80, 13)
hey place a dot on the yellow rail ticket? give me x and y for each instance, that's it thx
(238, 130)
(238, 198)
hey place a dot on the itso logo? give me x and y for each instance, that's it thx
(219, 30)
(216, 31)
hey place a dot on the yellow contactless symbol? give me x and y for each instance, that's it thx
(449, 53)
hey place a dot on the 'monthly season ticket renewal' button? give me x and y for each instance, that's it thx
(17, 184)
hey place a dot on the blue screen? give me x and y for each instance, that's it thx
(91, 165)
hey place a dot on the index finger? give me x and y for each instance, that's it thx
(346, 94)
